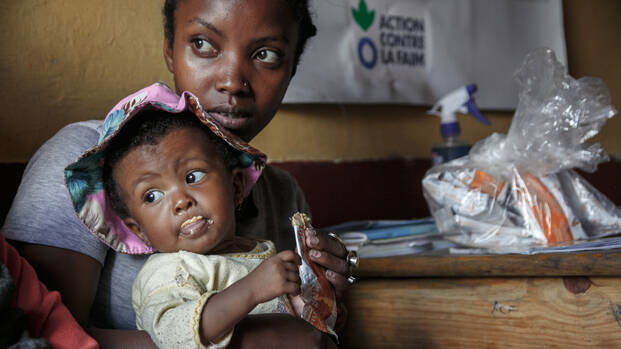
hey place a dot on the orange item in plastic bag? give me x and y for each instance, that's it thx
(545, 208)
(534, 195)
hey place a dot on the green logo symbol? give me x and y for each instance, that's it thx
(363, 16)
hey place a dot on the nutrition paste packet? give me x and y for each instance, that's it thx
(316, 291)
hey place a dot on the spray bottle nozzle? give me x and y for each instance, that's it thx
(460, 100)
(472, 88)
(472, 108)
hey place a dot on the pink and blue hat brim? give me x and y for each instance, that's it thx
(83, 178)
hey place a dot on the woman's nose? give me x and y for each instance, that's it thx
(231, 76)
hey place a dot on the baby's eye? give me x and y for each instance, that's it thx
(194, 176)
(153, 196)
(203, 47)
(268, 56)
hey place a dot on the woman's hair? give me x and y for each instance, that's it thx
(299, 8)
(149, 128)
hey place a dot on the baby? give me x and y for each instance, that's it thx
(173, 179)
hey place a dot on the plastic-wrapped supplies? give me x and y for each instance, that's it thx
(519, 191)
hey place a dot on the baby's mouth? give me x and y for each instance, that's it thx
(194, 225)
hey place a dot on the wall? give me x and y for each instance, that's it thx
(65, 61)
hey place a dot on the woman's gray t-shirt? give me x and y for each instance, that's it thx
(42, 213)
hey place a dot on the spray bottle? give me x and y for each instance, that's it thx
(461, 100)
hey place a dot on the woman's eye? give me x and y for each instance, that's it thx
(268, 56)
(153, 196)
(204, 47)
(194, 176)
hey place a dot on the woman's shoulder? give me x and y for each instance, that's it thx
(82, 129)
(94, 125)
(70, 141)
(276, 183)
(275, 174)
(41, 212)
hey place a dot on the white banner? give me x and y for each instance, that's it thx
(416, 51)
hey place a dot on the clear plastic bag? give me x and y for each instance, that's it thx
(518, 191)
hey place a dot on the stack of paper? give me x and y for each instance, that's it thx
(383, 238)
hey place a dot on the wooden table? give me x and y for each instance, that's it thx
(560, 300)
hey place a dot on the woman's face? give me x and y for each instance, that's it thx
(236, 56)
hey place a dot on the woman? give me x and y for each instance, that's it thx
(237, 57)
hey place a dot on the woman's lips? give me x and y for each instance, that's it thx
(230, 120)
(194, 226)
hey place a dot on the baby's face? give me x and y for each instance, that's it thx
(179, 193)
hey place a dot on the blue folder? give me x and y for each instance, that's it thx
(386, 229)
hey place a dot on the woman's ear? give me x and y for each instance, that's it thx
(168, 55)
(239, 184)
(133, 225)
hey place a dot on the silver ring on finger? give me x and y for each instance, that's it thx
(351, 280)
(352, 259)
(337, 238)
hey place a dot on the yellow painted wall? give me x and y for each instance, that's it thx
(71, 60)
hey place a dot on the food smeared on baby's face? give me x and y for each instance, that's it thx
(179, 193)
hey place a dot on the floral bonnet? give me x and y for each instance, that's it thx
(84, 181)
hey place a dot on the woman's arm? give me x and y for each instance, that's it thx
(254, 331)
(265, 330)
(121, 339)
(73, 274)
(46, 315)
(280, 331)
(76, 277)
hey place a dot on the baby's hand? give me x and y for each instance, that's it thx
(276, 276)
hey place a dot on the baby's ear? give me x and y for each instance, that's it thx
(133, 225)
(239, 184)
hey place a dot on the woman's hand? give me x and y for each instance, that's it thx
(331, 254)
